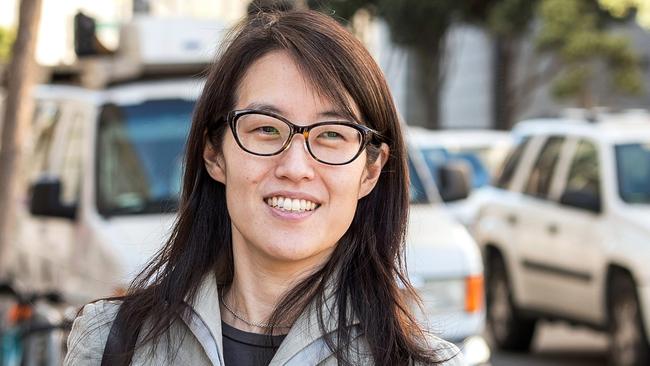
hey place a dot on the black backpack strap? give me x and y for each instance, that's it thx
(118, 350)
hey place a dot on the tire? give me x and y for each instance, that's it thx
(509, 330)
(628, 341)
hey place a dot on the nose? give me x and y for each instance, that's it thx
(295, 163)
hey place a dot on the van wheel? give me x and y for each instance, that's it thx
(628, 341)
(509, 330)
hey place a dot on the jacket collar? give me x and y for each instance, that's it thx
(304, 333)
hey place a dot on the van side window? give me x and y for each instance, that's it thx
(510, 166)
(539, 180)
(46, 117)
(71, 167)
(583, 173)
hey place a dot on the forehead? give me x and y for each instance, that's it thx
(276, 80)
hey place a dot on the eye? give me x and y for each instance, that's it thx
(268, 130)
(330, 135)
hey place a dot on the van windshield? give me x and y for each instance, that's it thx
(139, 157)
(633, 168)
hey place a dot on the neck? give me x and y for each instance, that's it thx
(259, 284)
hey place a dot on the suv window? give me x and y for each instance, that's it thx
(539, 180)
(511, 163)
(583, 173)
(633, 170)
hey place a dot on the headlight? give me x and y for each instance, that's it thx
(451, 295)
(442, 296)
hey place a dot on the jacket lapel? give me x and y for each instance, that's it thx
(205, 319)
(305, 339)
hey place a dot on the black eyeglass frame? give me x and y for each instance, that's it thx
(368, 135)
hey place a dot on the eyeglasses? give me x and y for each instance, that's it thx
(266, 134)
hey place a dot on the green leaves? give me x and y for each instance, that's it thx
(7, 38)
(622, 8)
(415, 22)
(574, 32)
(412, 22)
(510, 18)
(343, 10)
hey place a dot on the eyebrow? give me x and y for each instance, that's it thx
(332, 113)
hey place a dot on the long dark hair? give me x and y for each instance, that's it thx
(366, 267)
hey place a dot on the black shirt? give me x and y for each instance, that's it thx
(248, 349)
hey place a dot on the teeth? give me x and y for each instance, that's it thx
(288, 204)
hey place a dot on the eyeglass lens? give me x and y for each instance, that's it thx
(266, 135)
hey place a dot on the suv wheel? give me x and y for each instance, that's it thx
(628, 341)
(509, 330)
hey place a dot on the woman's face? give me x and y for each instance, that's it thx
(260, 230)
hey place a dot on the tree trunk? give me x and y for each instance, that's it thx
(504, 102)
(425, 83)
(17, 115)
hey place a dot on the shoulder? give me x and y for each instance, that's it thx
(90, 332)
(447, 353)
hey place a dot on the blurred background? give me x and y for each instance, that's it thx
(529, 156)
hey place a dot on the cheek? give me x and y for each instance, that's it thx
(243, 183)
(344, 190)
(242, 169)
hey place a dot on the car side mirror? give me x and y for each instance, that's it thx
(46, 200)
(455, 180)
(582, 199)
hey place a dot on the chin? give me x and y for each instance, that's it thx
(298, 252)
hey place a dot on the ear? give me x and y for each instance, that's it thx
(372, 172)
(214, 163)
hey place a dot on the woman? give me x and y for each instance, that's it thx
(289, 242)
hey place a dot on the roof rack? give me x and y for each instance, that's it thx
(150, 48)
(604, 114)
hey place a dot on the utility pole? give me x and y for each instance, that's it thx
(16, 122)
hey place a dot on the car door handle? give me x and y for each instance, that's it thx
(552, 229)
(512, 220)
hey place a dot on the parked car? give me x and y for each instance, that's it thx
(482, 151)
(443, 260)
(565, 232)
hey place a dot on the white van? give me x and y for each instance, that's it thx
(104, 173)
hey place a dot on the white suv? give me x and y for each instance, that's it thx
(565, 232)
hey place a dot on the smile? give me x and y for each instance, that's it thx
(289, 204)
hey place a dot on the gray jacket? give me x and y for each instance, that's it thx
(196, 340)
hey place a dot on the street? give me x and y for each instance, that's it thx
(559, 344)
